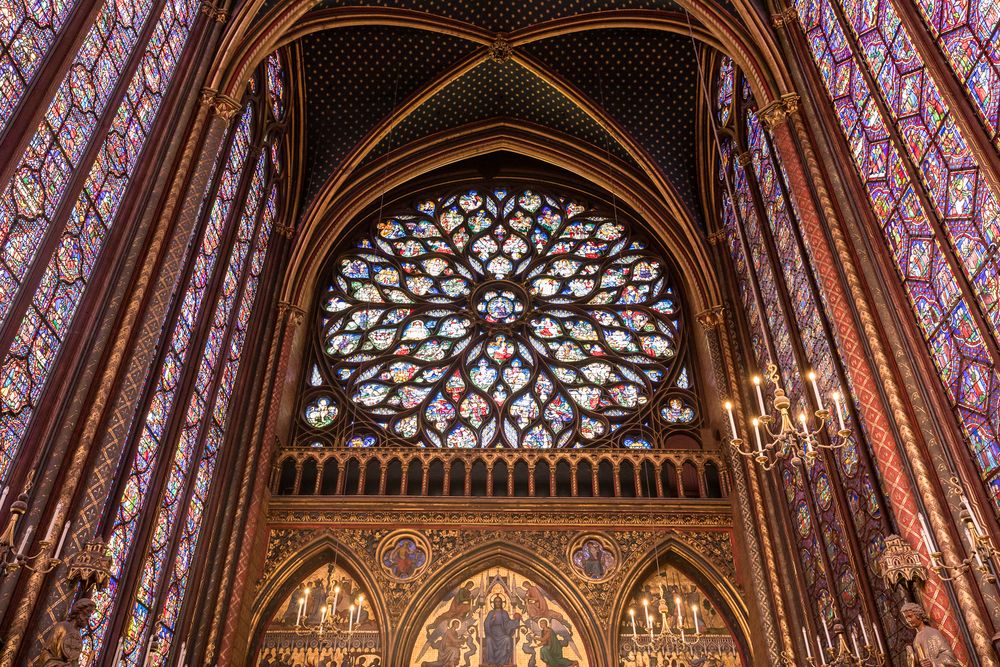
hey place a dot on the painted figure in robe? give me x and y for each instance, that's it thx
(499, 628)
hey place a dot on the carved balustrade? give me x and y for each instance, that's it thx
(338, 471)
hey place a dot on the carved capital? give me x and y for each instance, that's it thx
(717, 237)
(744, 158)
(900, 563)
(287, 231)
(712, 318)
(777, 111)
(785, 18)
(294, 313)
(226, 107)
(500, 50)
(213, 12)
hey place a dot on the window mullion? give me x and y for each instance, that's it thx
(172, 431)
(751, 274)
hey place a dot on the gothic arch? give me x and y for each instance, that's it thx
(703, 572)
(324, 224)
(481, 559)
(347, 169)
(300, 563)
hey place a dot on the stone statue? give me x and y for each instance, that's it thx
(63, 643)
(929, 648)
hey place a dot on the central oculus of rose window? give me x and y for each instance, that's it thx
(500, 303)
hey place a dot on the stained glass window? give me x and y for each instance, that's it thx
(960, 197)
(501, 317)
(726, 82)
(141, 468)
(968, 34)
(29, 203)
(200, 406)
(276, 85)
(29, 29)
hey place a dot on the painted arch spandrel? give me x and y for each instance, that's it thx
(499, 618)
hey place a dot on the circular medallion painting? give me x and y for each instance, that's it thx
(501, 317)
(593, 557)
(404, 555)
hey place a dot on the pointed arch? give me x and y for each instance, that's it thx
(703, 572)
(323, 225)
(324, 548)
(479, 560)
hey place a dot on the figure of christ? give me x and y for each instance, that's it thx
(551, 647)
(449, 647)
(499, 630)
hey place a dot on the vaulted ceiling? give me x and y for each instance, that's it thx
(640, 84)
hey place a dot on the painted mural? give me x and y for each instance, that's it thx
(326, 621)
(670, 622)
(499, 618)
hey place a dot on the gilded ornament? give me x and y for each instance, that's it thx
(900, 563)
(500, 50)
(91, 566)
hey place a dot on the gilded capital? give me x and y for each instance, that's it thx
(712, 317)
(226, 107)
(785, 18)
(213, 12)
(294, 313)
(777, 111)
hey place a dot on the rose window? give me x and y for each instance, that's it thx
(500, 317)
